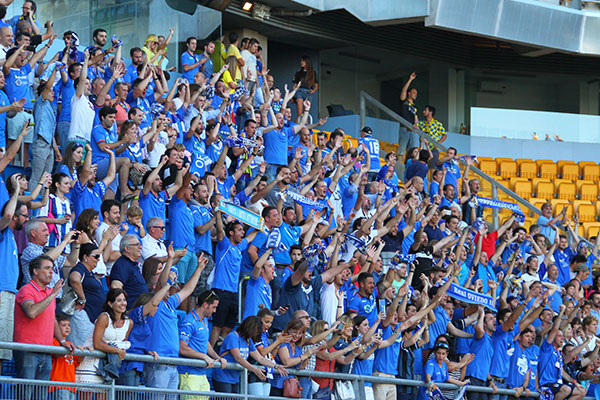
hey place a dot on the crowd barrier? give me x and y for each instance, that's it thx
(14, 386)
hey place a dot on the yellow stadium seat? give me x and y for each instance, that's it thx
(591, 172)
(591, 229)
(581, 230)
(489, 167)
(587, 212)
(500, 159)
(588, 191)
(580, 182)
(528, 169)
(542, 161)
(522, 160)
(545, 190)
(548, 170)
(559, 204)
(508, 169)
(561, 163)
(523, 189)
(569, 171)
(567, 191)
(537, 203)
(584, 163)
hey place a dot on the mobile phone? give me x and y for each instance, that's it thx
(359, 337)
(340, 326)
(76, 236)
(382, 305)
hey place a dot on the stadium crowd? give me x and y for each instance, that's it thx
(118, 239)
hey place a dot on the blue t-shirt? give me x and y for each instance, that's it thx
(452, 174)
(372, 146)
(88, 198)
(364, 306)
(143, 103)
(502, 343)
(17, 85)
(550, 364)
(533, 356)
(67, 91)
(45, 120)
(518, 367)
(483, 350)
(439, 327)
(128, 273)
(364, 367)
(386, 359)
(165, 330)
(139, 337)
(297, 352)
(10, 269)
(227, 264)
(225, 187)
(258, 293)
(190, 59)
(4, 102)
(276, 146)
(194, 331)
(207, 67)
(438, 373)
(290, 235)
(153, 206)
(562, 259)
(233, 341)
(181, 221)
(201, 217)
(102, 135)
(93, 290)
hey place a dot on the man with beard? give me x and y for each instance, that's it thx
(152, 196)
(204, 220)
(89, 192)
(519, 367)
(301, 288)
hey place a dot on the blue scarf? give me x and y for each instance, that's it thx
(304, 201)
(499, 204)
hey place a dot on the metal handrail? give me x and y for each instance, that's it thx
(358, 380)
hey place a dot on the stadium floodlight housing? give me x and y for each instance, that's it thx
(247, 6)
(261, 12)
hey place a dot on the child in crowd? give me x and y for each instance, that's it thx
(63, 366)
(133, 224)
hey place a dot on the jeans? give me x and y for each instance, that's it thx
(128, 378)
(62, 128)
(63, 394)
(306, 384)
(499, 396)
(102, 171)
(32, 366)
(210, 265)
(42, 160)
(162, 376)
(476, 395)
(259, 97)
(259, 389)
(224, 387)
(322, 394)
(406, 140)
(186, 266)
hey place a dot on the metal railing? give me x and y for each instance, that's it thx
(365, 97)
(112, 390)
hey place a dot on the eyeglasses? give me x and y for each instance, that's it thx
(209, 296)
(96, 256)
(304, 317)
(134, 245)
(442, 345)
(162, 228)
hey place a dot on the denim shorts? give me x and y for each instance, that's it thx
(303, 93)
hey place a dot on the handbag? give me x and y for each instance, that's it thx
(69, 299)
(343, 390)
(292, 388)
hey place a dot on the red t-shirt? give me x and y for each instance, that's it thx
(488, 244)
(39, 330)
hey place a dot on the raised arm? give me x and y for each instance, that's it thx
(83, 76)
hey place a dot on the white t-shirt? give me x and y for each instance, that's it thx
(152, 248)
(329, 303)
(116, 243)
(82, 118)
(250, 63)
(160, 146)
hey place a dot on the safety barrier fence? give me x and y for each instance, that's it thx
(14, 388)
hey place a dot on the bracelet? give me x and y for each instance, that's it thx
(75, 247)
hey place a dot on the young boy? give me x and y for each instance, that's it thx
(63, 366)
(436, 370)
(134, 222)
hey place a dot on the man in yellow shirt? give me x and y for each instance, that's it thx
(434, 129)
(234, 51)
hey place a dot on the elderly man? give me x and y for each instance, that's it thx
(38, 233)
(126, 273)
(154, 246)
(35, 323)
